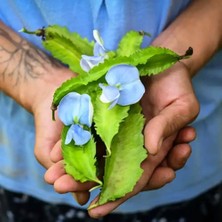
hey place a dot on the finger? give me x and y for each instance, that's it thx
(100, 211)
(186, 135)
(160, 177)
(103, 210)
(43, 147)
(81, 197)
(42, 153)
(178, 156)
(169, 121)
(66, 184)
(148, 165)
(54, 172)
(48, 132)
(56, 152)
(96, 211)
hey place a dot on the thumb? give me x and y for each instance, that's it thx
(169, 121)
(43, 147)
(48, 133)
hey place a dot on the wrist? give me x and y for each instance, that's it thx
(43, 89)
(26, 73)
(193, 29)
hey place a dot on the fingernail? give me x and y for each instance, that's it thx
(76, 197)
(80, 197)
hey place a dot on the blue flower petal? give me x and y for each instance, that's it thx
(78, 134)
(88, 62)
(98, 50)
(86, 110)
(69, 135)
(69, 108)
(109, 93)
(131, 93)
(98, 38)
(122, 74)
(99, 54)
(76, 108)
(113, 104)
(85, 65)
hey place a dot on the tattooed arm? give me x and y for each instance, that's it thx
(24, 69)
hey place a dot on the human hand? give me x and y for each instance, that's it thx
(169, 105)
(163, 174)
(159, 172)
(42, 77)
(48, 136)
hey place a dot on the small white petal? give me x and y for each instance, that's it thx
(109, 93)
(98, 38)
(85, 65)
(99, 50)
(113, 104)
(88, 62)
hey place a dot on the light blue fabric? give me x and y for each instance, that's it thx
(19, 171)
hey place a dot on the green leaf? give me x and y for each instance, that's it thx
(130, 43)
(82, 45)
(80, 161)
(101, 69)
(143, 55)
(107, 121)
(62, 50)
(66, 46)
(75, 84)
(157, 64)
(65, 52)
(123, 167)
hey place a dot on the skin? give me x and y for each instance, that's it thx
(24, 68)
(169, 104)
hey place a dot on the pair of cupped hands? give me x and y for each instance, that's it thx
(169, 106)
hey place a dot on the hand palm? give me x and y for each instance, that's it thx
(48, 132)
(169, 105)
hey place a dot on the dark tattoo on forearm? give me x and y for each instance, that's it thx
(21, 61)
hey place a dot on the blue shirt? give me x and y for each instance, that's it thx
(19, 171)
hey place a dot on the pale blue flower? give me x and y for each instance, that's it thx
(76, 111)
(124, 86)
(99, 54)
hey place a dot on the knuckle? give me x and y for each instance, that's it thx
(37, 154)
(41, 157)
(194, 107)
(60, 189)
(190, 110)
(48, 179)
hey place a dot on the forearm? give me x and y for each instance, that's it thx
(25, 70)
(199, 26)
